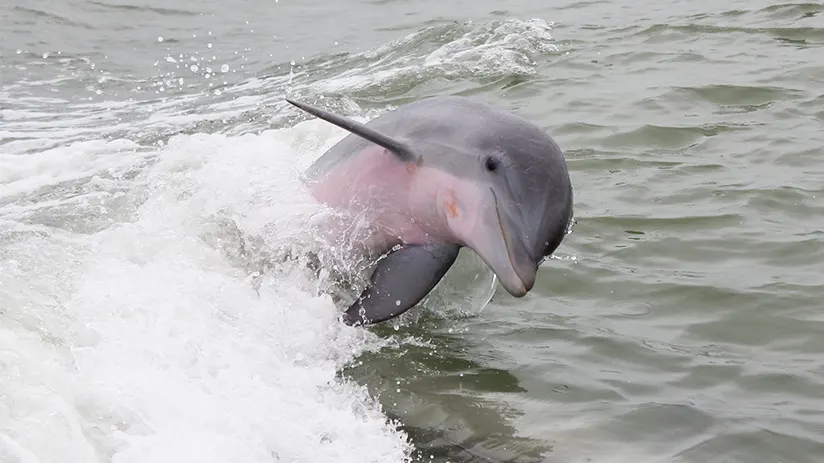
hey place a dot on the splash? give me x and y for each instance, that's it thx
(140, 324)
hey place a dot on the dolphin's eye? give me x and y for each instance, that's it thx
(491, 164)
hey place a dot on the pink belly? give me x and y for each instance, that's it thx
(376, 186)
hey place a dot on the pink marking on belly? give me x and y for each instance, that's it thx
(398, 198)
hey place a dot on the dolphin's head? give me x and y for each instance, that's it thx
(510, 202)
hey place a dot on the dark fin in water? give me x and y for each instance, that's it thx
(400, 281)
(396, 146)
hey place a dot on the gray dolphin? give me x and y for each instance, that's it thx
(438, 174)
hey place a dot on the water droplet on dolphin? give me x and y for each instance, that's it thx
(571, 226)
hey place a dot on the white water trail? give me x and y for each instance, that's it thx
(130, 330)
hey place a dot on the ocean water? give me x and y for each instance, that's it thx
(158, 295)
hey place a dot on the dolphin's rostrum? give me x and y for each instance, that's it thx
(436, 175)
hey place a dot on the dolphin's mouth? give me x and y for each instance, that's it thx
(517, 273)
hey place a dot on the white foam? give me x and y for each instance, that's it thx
(496, 48)
(147, 340)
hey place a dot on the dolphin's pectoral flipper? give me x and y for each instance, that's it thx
(401, 280)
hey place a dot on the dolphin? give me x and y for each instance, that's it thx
(436, 175)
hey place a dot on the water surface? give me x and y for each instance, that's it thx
(149, 206)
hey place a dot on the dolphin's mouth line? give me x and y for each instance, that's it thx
(506, 238)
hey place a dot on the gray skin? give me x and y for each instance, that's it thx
(439, 174)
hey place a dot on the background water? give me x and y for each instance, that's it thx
(149, 203)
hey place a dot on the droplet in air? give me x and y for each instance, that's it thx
(224, 68)
(209, 45)
(194, 68)
(160, 39)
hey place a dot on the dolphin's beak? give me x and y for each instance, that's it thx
(500, 241)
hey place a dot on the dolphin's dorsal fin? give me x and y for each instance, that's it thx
(396, 146)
